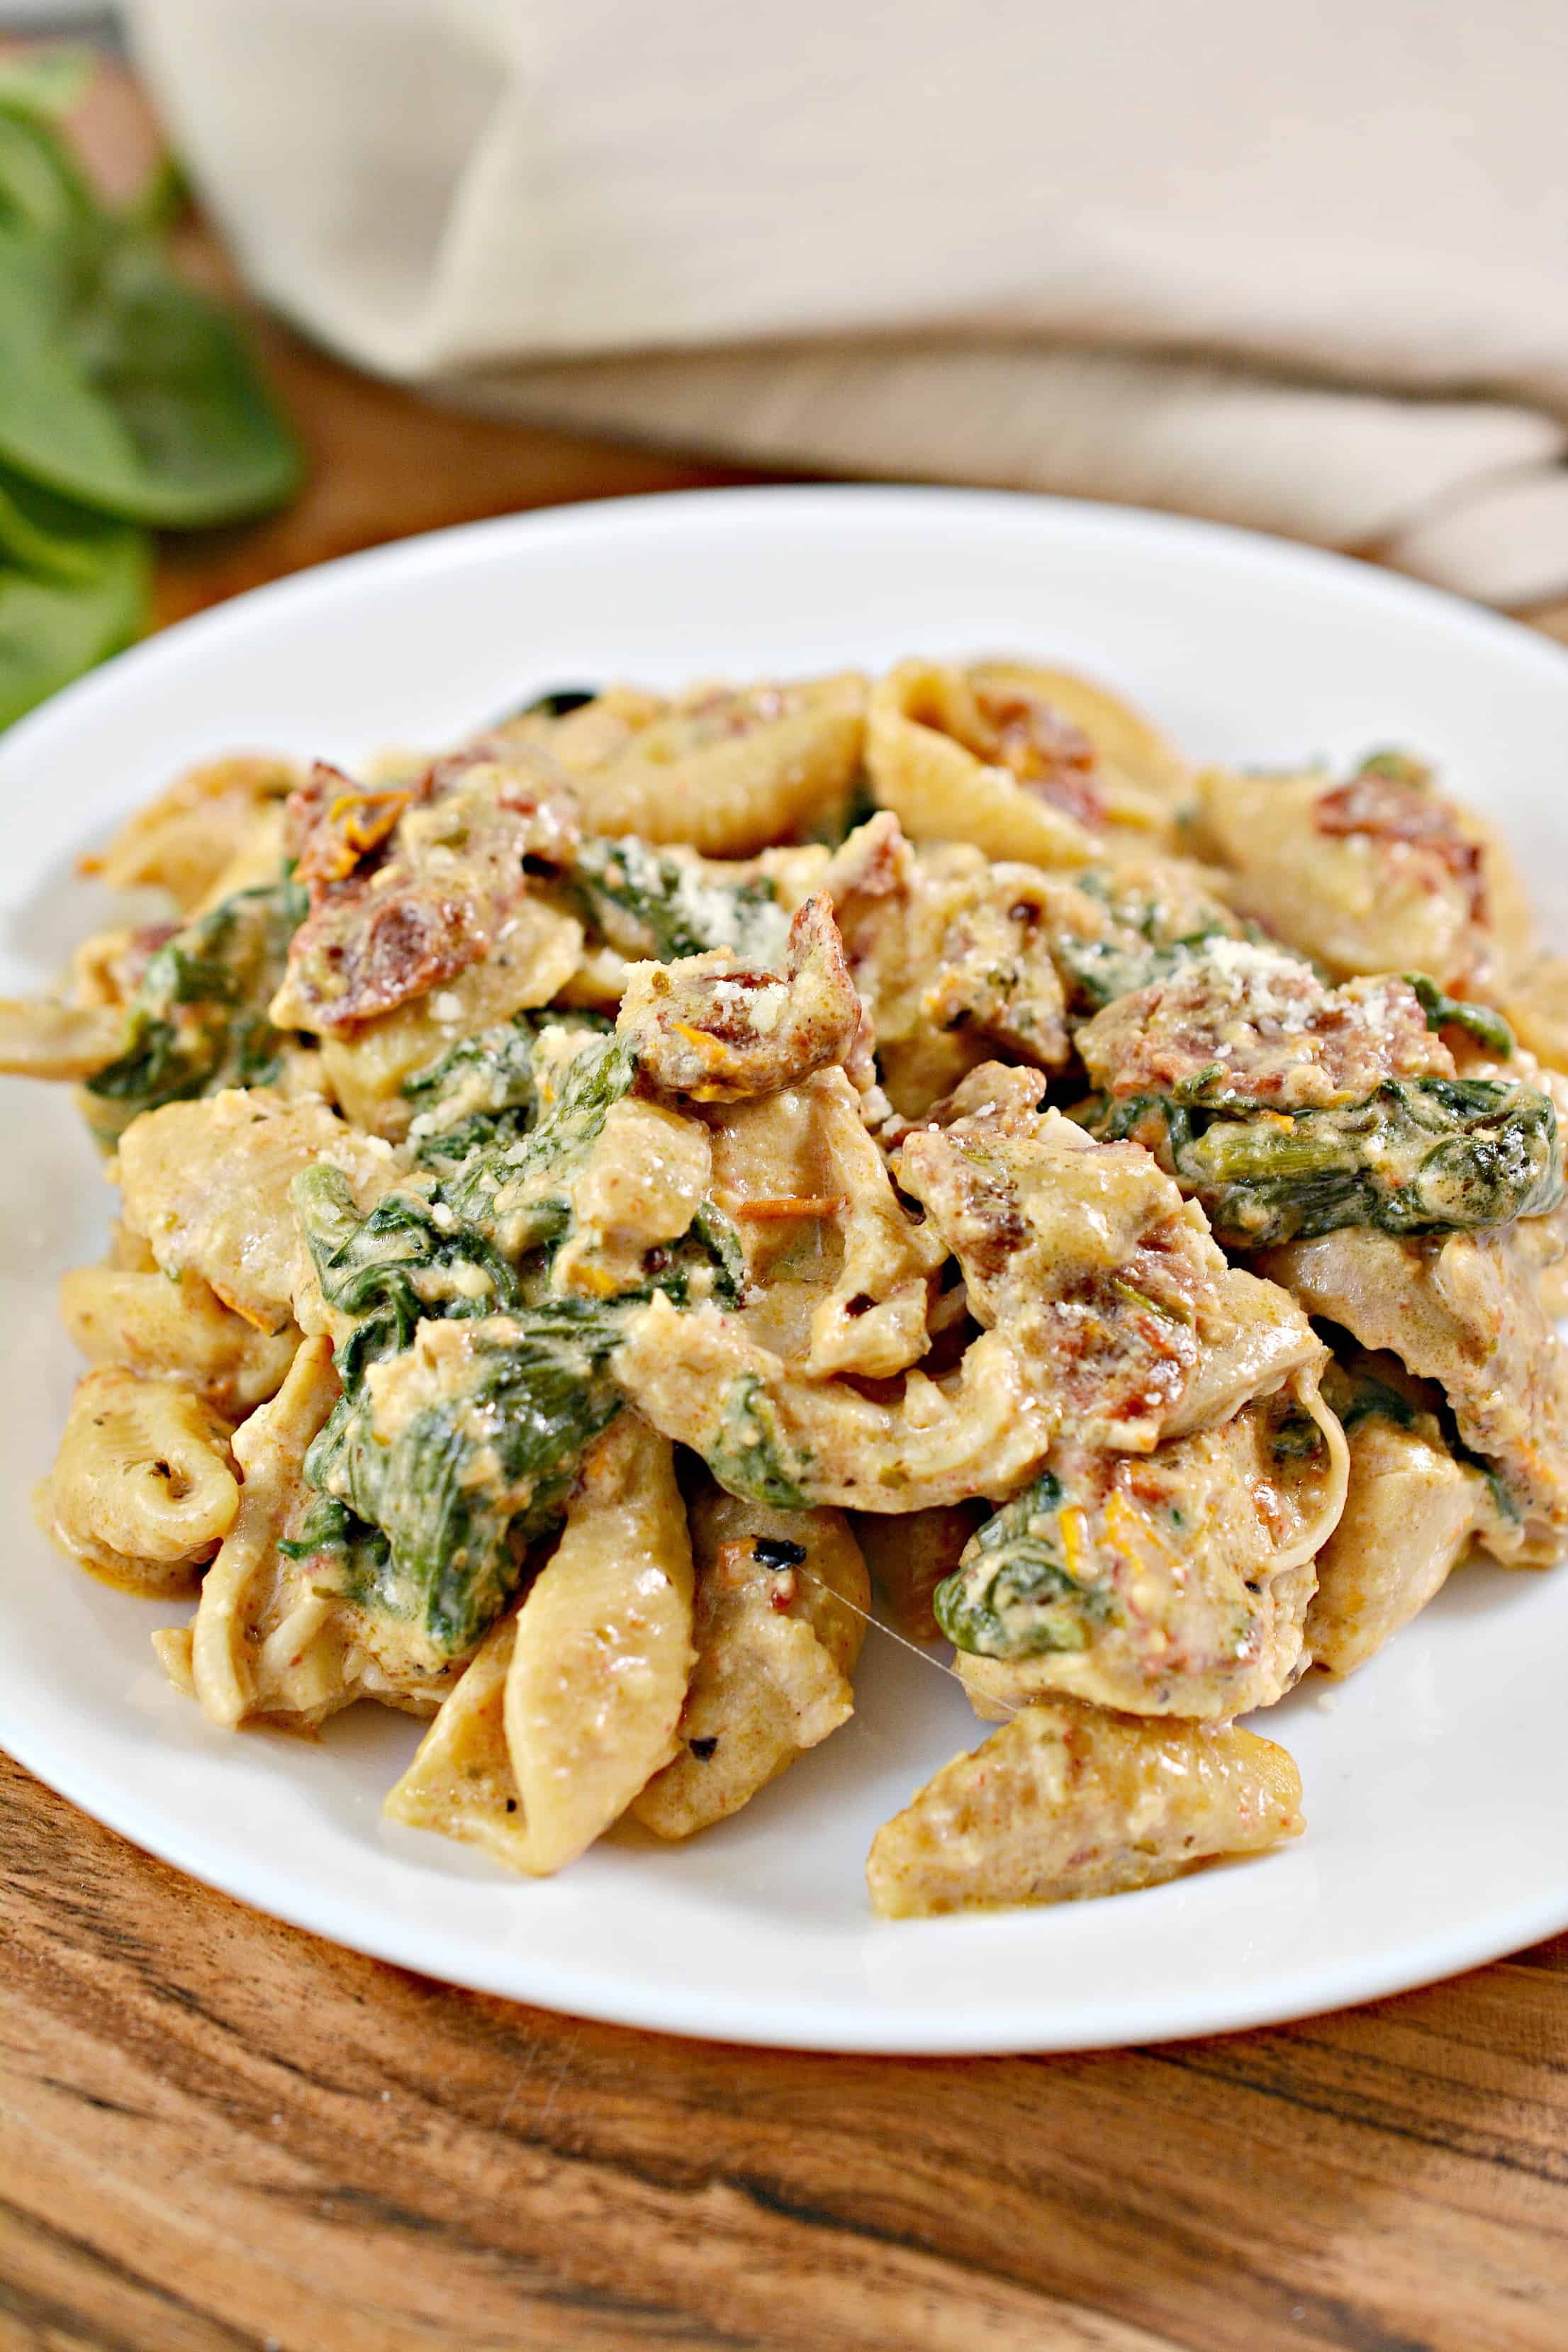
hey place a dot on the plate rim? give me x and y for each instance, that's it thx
(705, 2014)
(808, 2022)
(424, 551)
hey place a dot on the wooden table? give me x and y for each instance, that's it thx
(218, 2134)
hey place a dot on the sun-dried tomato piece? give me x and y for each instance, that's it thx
(1050, 755)
(1386, 808)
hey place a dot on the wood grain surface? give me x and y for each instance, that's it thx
(218, 2134)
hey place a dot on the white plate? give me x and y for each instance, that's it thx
(1433, 1781)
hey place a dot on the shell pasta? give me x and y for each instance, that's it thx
(612, 1208)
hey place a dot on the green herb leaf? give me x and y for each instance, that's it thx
(128, 389)
(753, 1455)
(472, 1475)
(1011, 1594)
(1443, 1012)
(41, 186)
(198, 1020)
(1423, 1155)
(46, 82)
(124, 392)
(667, 907)
(72, 590)
(472, 1478)
(555, 702)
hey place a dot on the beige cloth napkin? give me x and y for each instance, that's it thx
(1298, 268)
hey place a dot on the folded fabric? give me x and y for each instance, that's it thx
(1300, 269)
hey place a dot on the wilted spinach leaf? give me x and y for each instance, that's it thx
(482, 1462)
(648, 902)
(198, 1020)
(1013, 1594)
(1423, 1155)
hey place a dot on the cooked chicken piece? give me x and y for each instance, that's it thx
(1106, 1283)
(1465, 1312)
(1409, 1518)
(408, 890)
(714, 1031)
(645, 1177)
(206, 1183)
(781, 1614)
(1236, 1023)
(950, 953)
(1171, 1583)
(1065, 1802)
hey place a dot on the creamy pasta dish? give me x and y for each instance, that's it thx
(599, 1206)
